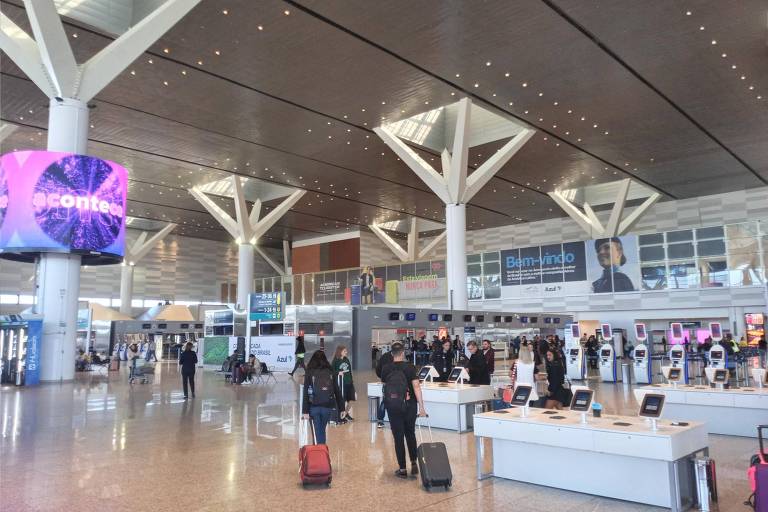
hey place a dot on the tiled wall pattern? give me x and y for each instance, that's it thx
(178, 268)
(374, 252)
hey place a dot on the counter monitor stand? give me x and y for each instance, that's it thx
(520, 399)
(651, 408)
(428, 373)
(458, 375)
(581, 402)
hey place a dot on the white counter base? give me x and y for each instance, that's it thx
(451, 406)
(734, 412)
(633, 463)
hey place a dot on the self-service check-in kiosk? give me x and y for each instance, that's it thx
(428, 373)
(576, 363)
(643, 365)
(718, 357)
(679, 359)
(608, 371)
(717, 377)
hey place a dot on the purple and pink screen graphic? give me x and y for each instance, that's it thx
(60, 202)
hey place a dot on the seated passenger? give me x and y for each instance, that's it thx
(81, 361)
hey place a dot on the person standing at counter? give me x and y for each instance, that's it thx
(442, 360)
(299, 354)
(403, 402)
(478, 367)
(188, 362)
(490, 356)
(342, 370)
(558, 395)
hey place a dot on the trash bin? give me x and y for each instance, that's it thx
(626, 376)
(373, 408)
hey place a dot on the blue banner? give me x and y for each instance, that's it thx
(34, 338)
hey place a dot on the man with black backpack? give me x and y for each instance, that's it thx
(404, 403)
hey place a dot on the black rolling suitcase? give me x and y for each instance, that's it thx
(434, 466)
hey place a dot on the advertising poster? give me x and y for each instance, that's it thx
(755, 327)
(549, 270)
(62, 202)
(215, 350)
(613, 264)
(275, 351)
(367, 285)
(32, 359)
(422, 287)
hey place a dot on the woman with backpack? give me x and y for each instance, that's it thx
(342, 371)
(321, 394)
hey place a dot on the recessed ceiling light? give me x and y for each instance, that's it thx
(287, 12)
(751, 87)
(74, 35)
(184, 72)
(133, 72)
(714, 42)
(506, 74)
(166, 50)
(225, 12)
(217, 52)
(525, 84)
(541, 94)
(260, 27)
(477, 85)
(688, 13)
(743, 77)
(150, 61)
(724, 55)
(165, 82)
(488, 63)
(199, 63)
(701, 27)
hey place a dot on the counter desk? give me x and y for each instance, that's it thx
(450, 406)
(612, 456)
(735, 412)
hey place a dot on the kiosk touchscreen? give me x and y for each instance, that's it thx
(608, 364)
(718, 357)
(581, 402)
(428, 373)
(575, 364)
(458, 375)
(679, 359)
(672, 374)
(717, 377)
(651, 408)
(642, 365)
(520, 398)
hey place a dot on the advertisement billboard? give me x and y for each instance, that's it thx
(61, 202)
(755, 327)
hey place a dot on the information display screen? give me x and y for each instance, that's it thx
(394, 317)
(455, 374)
(582, 399)
(716, 331)
(521, 396)
(606, 331)
(424, 372)
(721, 375)
(226, 316)
(716, 354)
(266, 306)
(676, 354)
(639, 354)
(574, 352)
(605, 353)
(640, 333)
(410, 317)
(575, 331)
(433, 317)
(62, 202)
(675, 373)
(677, 331)
(652, 405)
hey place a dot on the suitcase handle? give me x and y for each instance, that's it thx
(761, 439)
(309, 427)
(429, 426)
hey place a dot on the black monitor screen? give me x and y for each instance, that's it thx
(447, 318)
(394, 316)
(480, 318)
(467, 318)
(521, 396)
(716, 354)
(455, 373)
(198, 326)
(639, 354)
(410, 317)
(721, 375)
(652, 405)
(162, 326)
(146, 326)
(534, 319)
(433, 317)
(508, 319)
(556, 320)
(497, 319)
(574, 351)
(184, 326)
(424, 372)
(581, 400)
(674, 373)
(605, 353)
(677, 354)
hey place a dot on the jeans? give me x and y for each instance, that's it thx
(320, 418)
(403, 425)
(381, 412)
(299, 364)
(188, 378)
(151, 355)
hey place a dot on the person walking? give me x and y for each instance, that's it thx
(188, 363)
(151, 351)
(342, 371)
(299, 354)
(321, 395)
(385, 360)
(556, 377)
(404, 403)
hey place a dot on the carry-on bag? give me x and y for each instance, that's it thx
(758, 474)
(314, 461)
(434, 466)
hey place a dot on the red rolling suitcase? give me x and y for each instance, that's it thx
(758, 475)
(314, 462)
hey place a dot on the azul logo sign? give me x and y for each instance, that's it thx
(61, 202)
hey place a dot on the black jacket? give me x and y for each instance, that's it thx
(300, 349)
(478, 369)
(384, 360)
(443, 363)
(335, 403)
(188, 361)
(556, 378)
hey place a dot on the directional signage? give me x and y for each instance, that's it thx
(267, 306)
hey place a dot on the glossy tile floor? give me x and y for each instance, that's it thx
(101, 444)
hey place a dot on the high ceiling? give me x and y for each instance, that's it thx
(671, 93)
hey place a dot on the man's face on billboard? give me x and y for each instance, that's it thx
(609, 254)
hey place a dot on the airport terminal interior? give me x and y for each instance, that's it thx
(445, 255)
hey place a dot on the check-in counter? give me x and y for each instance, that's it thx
(613, 456)
(735, 411)
(450, 406)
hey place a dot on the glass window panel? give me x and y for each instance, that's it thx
(438, 268)
(474, 288)
(711, 248)
(473, 258)
(713, 272)
(258, 286)
(675, 251)
(407, 270)
(655, 238)
(679, 236)
(745, 270)
(683, 274)
(492, 287)
(741, 239)
(422, 268)
(287, 288)
(714, 232)
(652, 253)
(491, 256)
(474, 270)
(492, 268)
(393, 273)
(654, 277)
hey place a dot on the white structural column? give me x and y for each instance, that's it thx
(617, 224)
(455, 188)
(48, 60)
(246, 229)
(133, 255)
(412, 251)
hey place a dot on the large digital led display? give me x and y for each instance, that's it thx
(61, 202)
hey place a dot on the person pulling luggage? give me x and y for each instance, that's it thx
(321, 394)
(404, 403)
